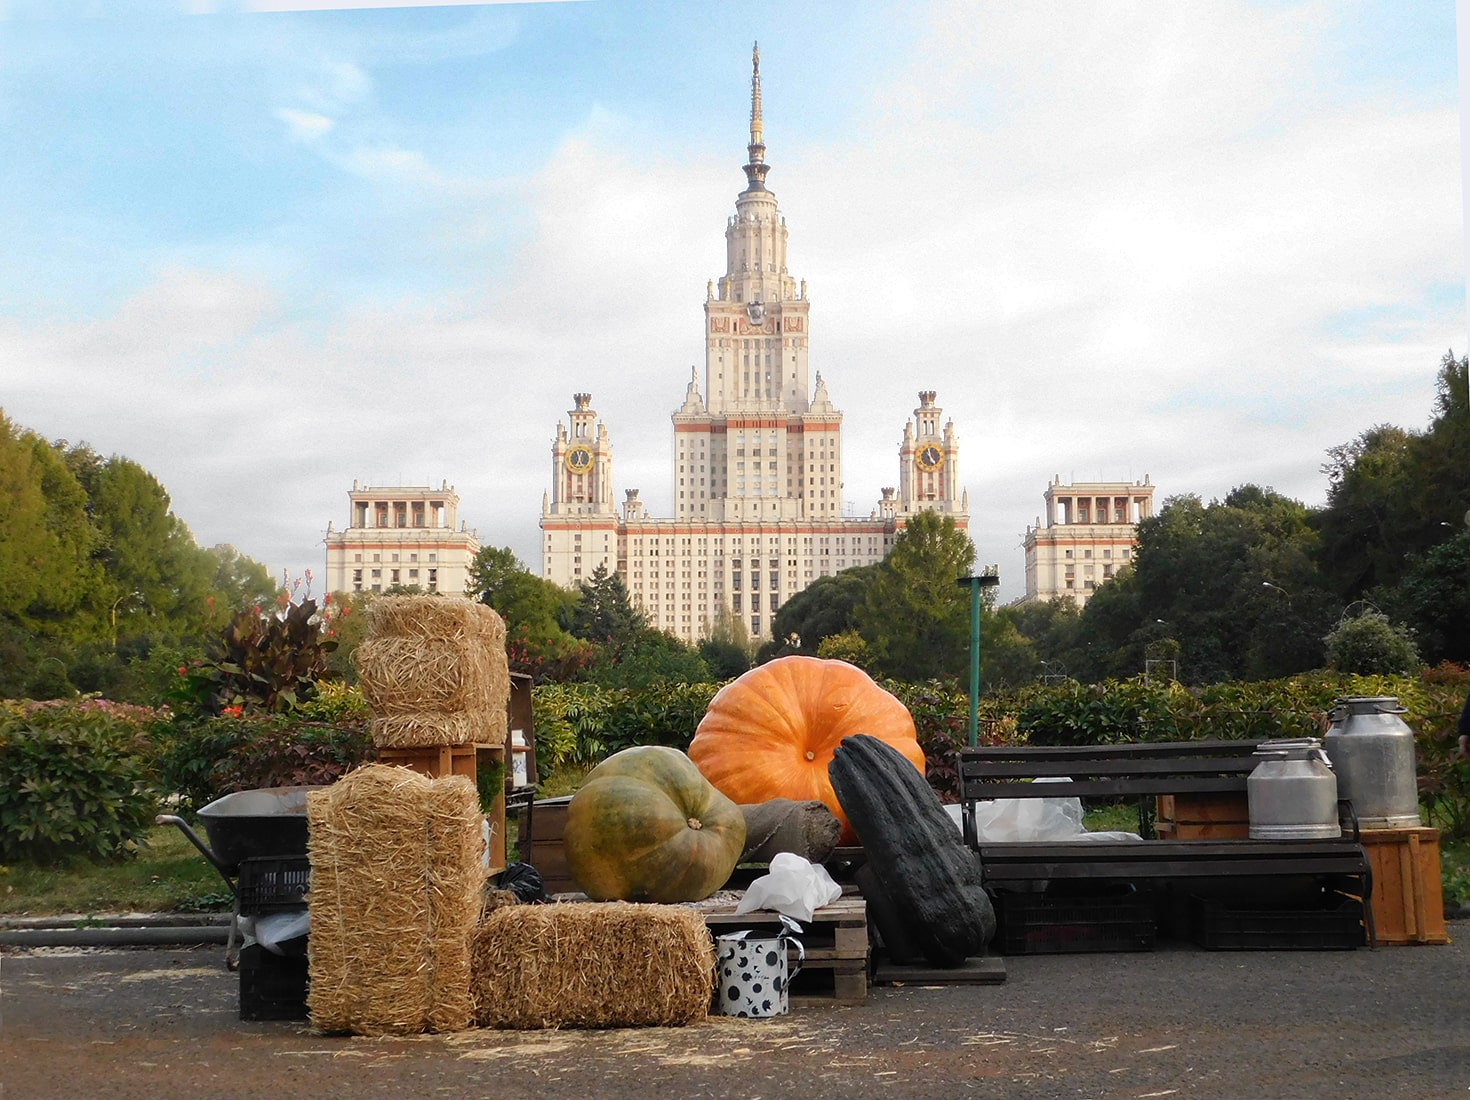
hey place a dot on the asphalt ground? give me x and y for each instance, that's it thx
(119, 1023)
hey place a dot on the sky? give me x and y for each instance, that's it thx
(265, 250)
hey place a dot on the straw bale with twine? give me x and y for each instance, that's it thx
(427, 661)
(396, 881)
(592, 965)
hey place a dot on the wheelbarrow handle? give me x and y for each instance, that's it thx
(174, 819)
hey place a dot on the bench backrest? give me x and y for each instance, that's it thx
(1129, 770)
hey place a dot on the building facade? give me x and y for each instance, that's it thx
(401, 535)
(757, 469)
(1089, 534)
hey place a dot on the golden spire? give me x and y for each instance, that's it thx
(755, 171)
(755, 95)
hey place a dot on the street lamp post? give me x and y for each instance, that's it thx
(125, 596)
(986, 578)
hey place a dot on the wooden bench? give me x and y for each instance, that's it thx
(1142, 772)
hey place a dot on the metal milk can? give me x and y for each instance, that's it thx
(1292, 792)
(1372, 751)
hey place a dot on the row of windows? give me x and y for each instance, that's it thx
(1107, 553)
(433, 556)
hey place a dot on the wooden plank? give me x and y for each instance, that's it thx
(984, 970)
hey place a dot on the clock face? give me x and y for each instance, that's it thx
(579, 460)
(931, 457)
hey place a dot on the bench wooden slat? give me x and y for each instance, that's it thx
(1111, 788)
(1195, 765)
(1171, 859)
(1141, 750)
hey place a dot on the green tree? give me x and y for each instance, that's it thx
(915, 617)
(1368, 644)
(652, 658)
(604, 614)
(533, 609)
(238, 580)
(499, 579)
(1234, 583)
(726, 649)
(823, 608)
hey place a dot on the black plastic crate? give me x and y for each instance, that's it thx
(271, 987)
(1333, 923)
(1053, 924)
(270, 884)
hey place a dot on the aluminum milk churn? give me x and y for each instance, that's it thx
(1292, 792)
(1372, 751)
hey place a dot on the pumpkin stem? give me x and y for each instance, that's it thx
(695, 823)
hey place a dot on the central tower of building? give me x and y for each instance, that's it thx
(757, 477)
(762, 434)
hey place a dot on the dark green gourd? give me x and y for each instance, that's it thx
(914, 851)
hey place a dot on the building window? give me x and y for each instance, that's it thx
(377, 573)
(357, 576)
(395, 576)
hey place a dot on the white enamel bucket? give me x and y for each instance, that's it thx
(751, 974)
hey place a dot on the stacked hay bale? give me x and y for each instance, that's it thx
(396, 879)
(577, 965)
(434, 671)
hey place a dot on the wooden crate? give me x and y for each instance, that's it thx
(437, 761)
(1408, 902)
(1222, 816)
(836, 942)
(548, 819)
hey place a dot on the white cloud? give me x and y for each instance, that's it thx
(304, 126)
(1116, 239)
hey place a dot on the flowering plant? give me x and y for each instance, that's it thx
(265, 659)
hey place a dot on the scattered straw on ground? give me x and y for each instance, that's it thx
(592, 965)
(396, 876)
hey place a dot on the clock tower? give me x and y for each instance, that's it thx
(928, 464)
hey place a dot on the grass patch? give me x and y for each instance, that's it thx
(168, 875)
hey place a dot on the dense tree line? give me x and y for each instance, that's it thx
(1250, 587)
(101, 585)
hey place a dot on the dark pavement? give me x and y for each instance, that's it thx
(161, 1024)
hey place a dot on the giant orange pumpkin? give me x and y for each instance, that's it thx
(772, 733)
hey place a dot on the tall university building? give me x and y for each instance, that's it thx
(757, 478)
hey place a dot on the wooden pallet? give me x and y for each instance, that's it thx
(836, 943)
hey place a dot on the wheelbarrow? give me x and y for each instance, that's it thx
(268, 821)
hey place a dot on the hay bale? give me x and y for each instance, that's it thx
(584, 965)
(443, 618)
(425, 729)
(396, 877)
(412, 675)
(434, 671)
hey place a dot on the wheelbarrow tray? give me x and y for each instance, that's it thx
(268, 821)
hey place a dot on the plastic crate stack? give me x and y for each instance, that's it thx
(272, 892)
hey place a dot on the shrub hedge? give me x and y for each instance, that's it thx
(83, 778)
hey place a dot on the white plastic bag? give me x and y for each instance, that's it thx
(794, 886)
(1010, 820)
